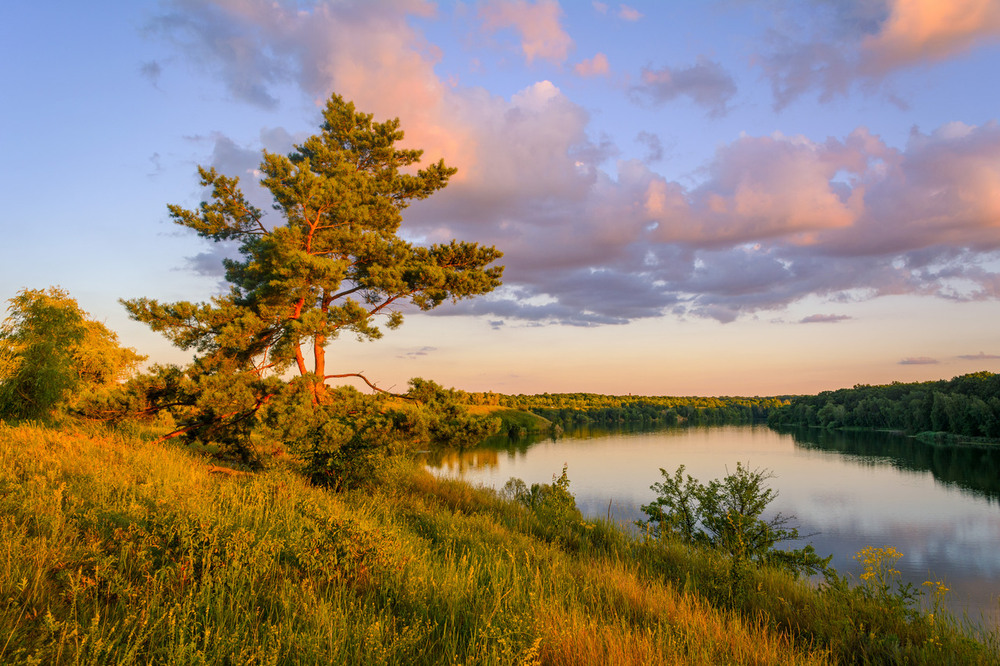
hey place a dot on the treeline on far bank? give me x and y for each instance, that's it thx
(965, 406)
(569, 410)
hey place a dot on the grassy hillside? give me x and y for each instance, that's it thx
(513, 419)
(114, 550)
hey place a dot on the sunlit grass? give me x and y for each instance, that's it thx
(117, 550)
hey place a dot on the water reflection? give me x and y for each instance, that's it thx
(974, 468)
(936, 504)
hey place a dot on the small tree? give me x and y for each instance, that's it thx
(331, 263)
(53, 357)
(728, 515)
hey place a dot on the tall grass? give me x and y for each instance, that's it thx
(115, 550)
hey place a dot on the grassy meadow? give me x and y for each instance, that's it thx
(118, 550)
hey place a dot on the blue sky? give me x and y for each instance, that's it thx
(715, 198)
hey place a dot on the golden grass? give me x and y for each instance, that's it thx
(114, 550)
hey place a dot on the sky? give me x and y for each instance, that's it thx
(695, 197)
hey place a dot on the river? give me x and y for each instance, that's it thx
(938, 505)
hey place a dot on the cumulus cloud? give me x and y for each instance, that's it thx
(928, 30)
(706, 83)
(537, 23)
(771, 219)
(918, 360)
(831, 45)
(824, 319)
(596, 66)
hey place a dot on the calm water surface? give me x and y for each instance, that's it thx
(939, 506)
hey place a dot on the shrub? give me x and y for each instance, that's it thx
(727, 515)
(552, 503)
(53, 358)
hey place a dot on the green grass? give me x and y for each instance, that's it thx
(115, 550)
(513, 418)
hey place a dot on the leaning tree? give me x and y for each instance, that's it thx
(331, 261)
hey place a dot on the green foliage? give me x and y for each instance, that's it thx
(552, 503)
(448, 420)
(966, 406)
(576, 409)
(727, 515)
(332, 263)
(54, 358)
(350, 438)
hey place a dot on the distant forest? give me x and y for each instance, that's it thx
(577, 409)
(965, 406)
(968, 406)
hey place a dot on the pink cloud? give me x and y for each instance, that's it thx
(628, 13)
(596, 66)
(832, 47)
(774, 219)
(929, 30)
(761, 188)
(542, 35)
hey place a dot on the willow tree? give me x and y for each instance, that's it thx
(331, 263)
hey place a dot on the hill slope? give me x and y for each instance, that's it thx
(115, 550)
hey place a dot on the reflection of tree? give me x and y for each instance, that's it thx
(462, 460)
(487, 453)
(972, 468)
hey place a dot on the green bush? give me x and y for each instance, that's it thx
(552, 504)
(727, 515)
(54, 359)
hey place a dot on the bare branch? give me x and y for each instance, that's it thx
(366, 381)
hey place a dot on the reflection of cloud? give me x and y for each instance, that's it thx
(918, 360)
(823, 319)
(979, 357)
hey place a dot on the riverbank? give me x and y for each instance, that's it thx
(118, 550)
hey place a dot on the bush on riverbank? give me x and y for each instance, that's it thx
(114, 549)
